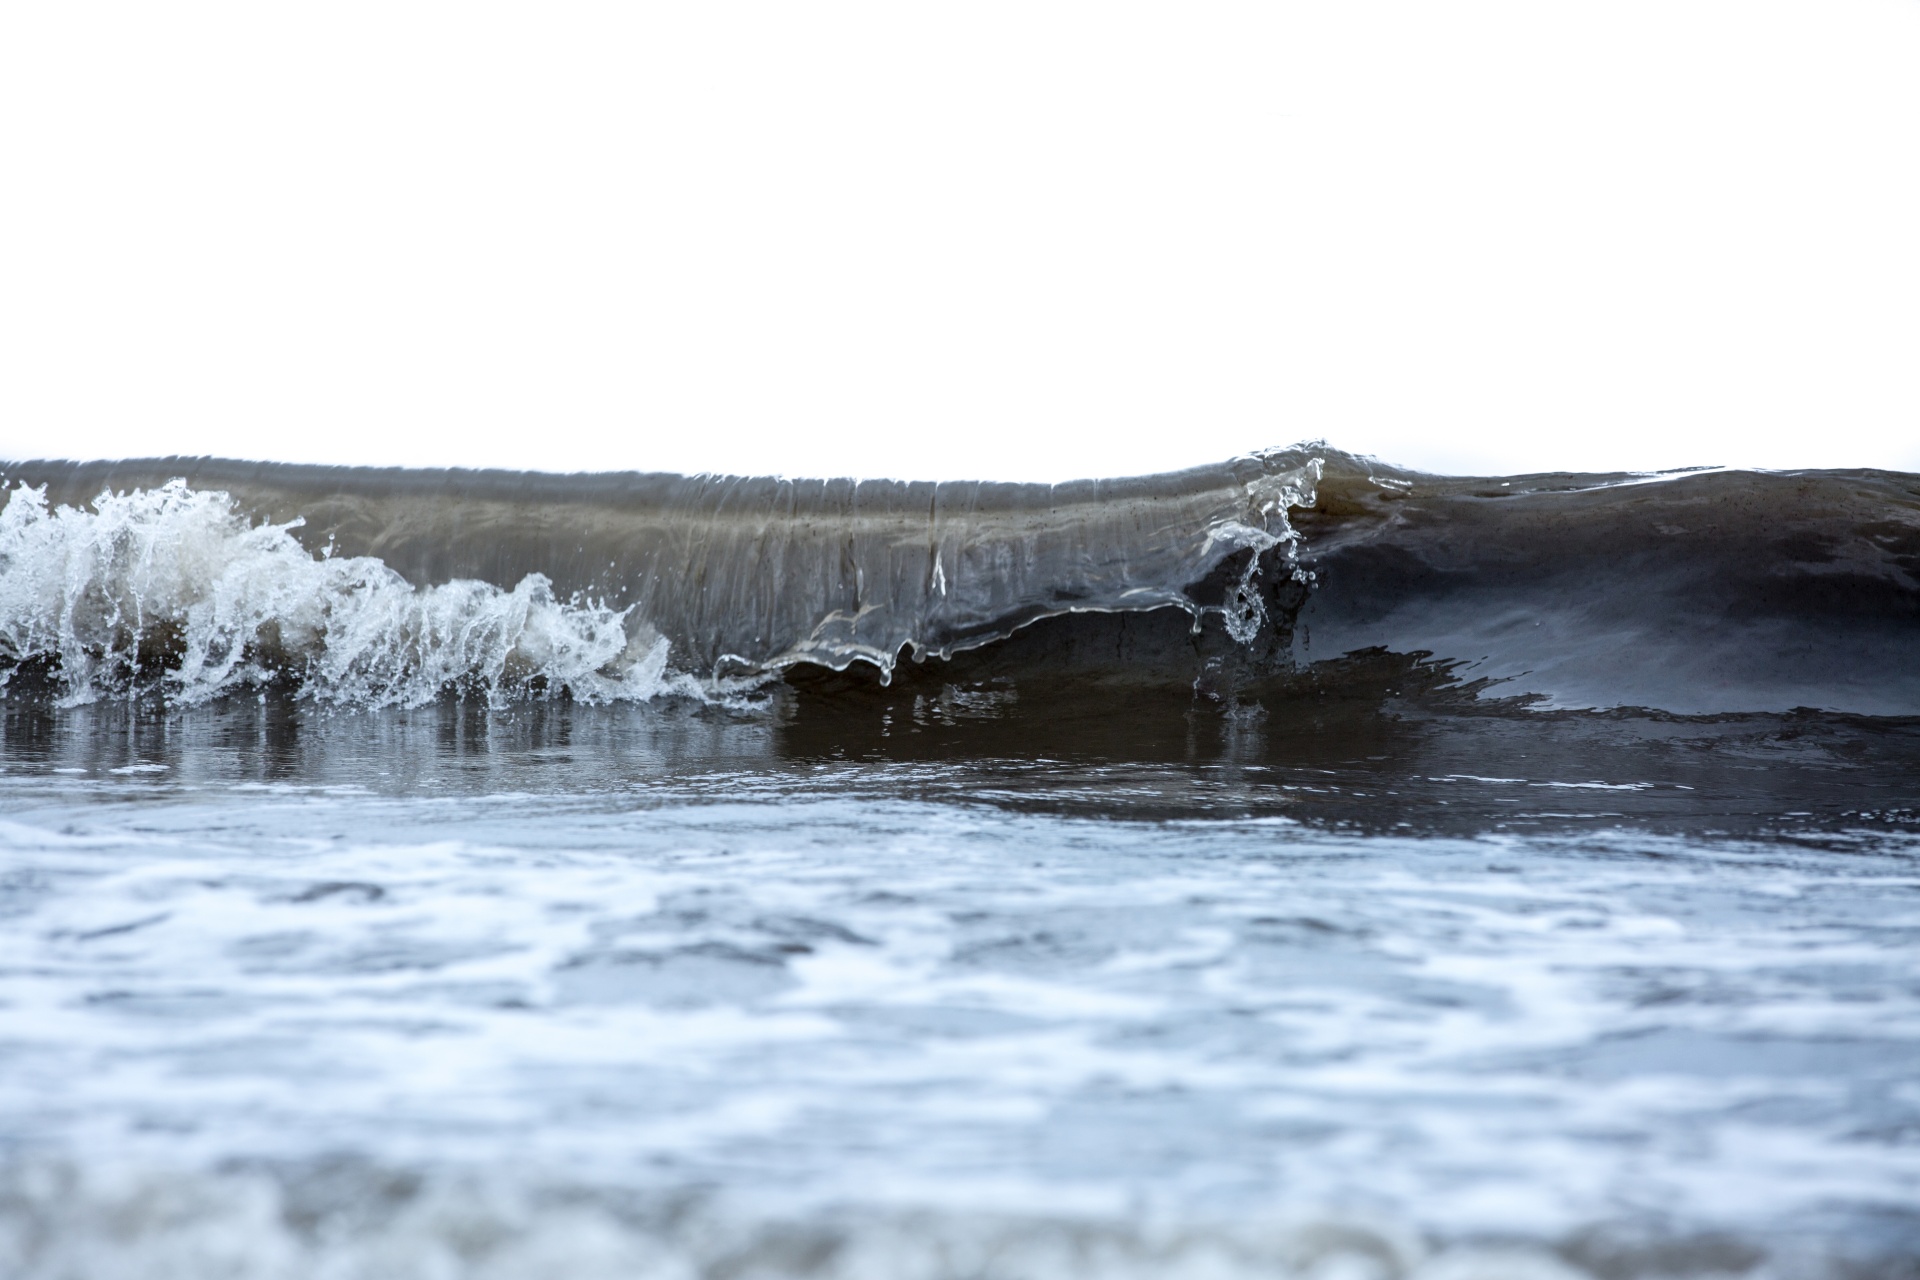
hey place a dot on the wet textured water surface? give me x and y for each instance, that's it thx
(814, 987)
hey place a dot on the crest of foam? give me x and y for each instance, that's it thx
(174, 586)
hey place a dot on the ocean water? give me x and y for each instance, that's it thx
(1293, 868)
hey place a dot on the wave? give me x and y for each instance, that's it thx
(1692, 593)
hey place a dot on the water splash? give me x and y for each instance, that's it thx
(175, 588)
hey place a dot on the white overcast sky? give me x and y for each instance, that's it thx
(1024, 240)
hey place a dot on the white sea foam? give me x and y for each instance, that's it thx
(499, 1013)
(175, 586)
(359, 1222)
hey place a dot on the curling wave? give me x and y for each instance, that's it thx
(1696, 593)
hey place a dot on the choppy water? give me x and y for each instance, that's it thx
(633, 990)
(1293, 868)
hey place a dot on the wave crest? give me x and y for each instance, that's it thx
(176, 587)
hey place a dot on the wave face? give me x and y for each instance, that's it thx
(1697, 593)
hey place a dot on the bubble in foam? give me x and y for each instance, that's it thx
(174, 587)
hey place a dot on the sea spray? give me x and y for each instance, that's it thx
(175, 587)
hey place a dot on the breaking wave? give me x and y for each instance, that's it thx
(177, 584)
(1698, 593)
